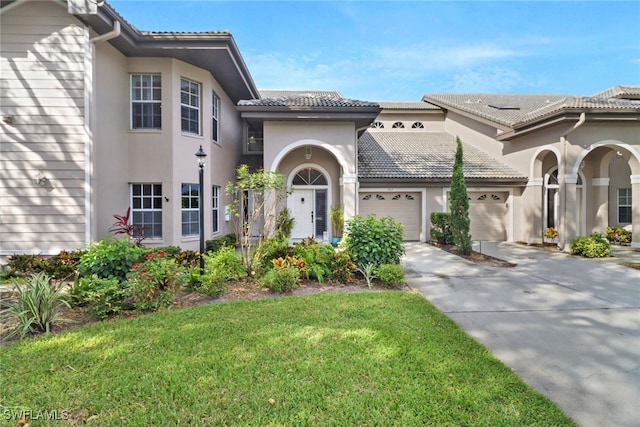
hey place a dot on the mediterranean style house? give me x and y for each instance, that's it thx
(98, 117)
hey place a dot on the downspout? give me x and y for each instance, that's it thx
(89, 122)
(563, 174)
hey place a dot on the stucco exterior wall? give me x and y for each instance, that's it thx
(42, 54)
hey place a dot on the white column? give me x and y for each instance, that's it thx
(635, 211)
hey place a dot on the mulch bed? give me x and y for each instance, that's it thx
(476, 257)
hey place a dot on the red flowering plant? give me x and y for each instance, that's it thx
(155, 281)
(133, 231)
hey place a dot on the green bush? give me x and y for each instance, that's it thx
(374, 241)
(317, 258)
(618, 236)
(284, 224)
(441, 228)
(34, 306)
(391, 274)
(281, 279)
(188, 259)
(102, 297)
(220, 267)
(214, 245)
(155, 281)
(110, 258)
(594, 246)
(268, 250)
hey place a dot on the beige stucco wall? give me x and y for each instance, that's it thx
(42, 54)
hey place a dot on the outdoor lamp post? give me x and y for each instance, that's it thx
(200, 156)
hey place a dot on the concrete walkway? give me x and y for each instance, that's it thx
(569, 326)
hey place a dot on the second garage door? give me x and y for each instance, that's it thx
(401, 206)
(488, 215)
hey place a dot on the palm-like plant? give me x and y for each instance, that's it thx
(33, 307)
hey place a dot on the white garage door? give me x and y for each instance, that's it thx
(401, 206)
(488, 215)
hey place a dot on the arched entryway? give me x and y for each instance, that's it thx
(309, 202)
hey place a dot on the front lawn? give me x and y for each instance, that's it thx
(345, 359)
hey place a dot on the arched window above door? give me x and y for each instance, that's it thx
(309, 176)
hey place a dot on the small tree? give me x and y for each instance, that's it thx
(255, 198)
(460, 223)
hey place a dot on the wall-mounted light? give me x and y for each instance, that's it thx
(307, 153)
(7, 119)
(40, 180)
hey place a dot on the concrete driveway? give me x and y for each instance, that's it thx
(569, 326)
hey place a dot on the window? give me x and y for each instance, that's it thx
(377, 125)
(146, 98)
(624, 206)
(417, 125)
(146, 209)
(398, 125)
(190, 210)
(190, 106)
(216, 208)
(215, 111)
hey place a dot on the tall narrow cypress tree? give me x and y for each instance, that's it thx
(460, 222)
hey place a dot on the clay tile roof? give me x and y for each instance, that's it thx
(423, 155)
(293, 99)
(407, 105)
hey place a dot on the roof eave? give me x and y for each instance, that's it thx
(228, 67)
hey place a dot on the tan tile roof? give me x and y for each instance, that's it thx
(423, 155)
(407, 105)
(515, 110)
(322, 99)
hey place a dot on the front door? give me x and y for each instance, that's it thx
(309, 203)
(302, 206)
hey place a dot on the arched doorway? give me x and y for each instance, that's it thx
(309, 202)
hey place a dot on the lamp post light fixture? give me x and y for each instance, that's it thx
(200, 155)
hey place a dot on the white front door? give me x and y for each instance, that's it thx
(302, 206)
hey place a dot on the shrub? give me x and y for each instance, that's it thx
(391, 274)
(459, 204)
(594, 246)
(316, 257)
(551, 233)
(441, 228)
(110, 258)
(343, 267)
(618, 235)
(214, 245)
(369, 272)
(34, 307)
(374, 241)
(268, 250)
(220, 267)
(188, 259)
(60, 266)
(281, 279)
(102, 297)
(284, 224)
(155, 281)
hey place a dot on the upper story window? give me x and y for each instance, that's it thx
(398, 125)
(215, 114)
(377, 125)
(146, 99)
(417, 125)
(190, 106)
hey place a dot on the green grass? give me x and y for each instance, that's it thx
(343, 359)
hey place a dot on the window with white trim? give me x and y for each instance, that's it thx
(624, 206)
(190, 106)
(146, 101)
(215, 199)
(146, 209)
(190, 210)
(215, 114)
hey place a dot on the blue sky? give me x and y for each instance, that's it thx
(400, 50)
